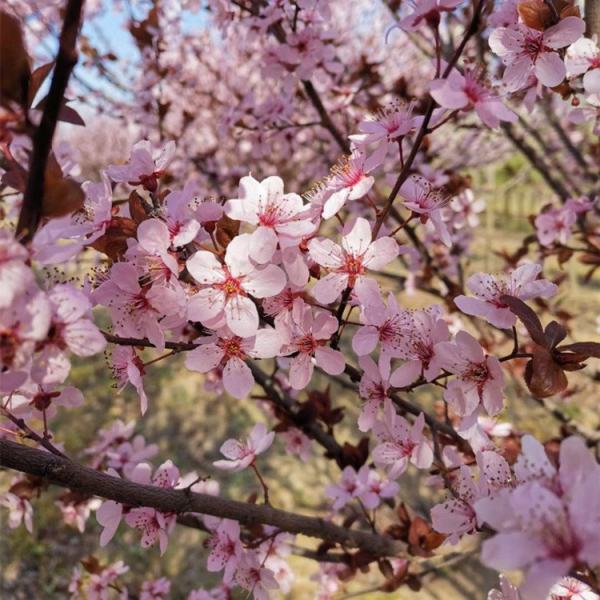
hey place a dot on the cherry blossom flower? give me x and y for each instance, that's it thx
(350, 180)
(398, 442)
(183, 212)
(116, 434)
(241, 455)
(151, 253)
(225, 299)
(422, 199)
(155, 525)
(374, 488)
(225, 549)
(458, 514)
(525, 51)
(41, 402)
(366, 485)
(255, 578)
(424, 330)
(76, 509)
(373, 388)
(583, 58)
(428, 12)
(128, 454)
(127, 368)
(343, 492)
(23, 325)
(15, 275)
(97, 585)
(280, 219)
(556, 223)
(145, 166)
(159, 589)
(140, 311)
(296, 443)
(229, 352)
(349, 261)
(382, 324)
(545, 524)
(72, 329)
(19, 511)
(465, 92)
(479, 377)
(385, 128)
(522, 283)
(308, 341)
(569, 588)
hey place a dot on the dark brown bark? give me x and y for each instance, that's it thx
(66, 60)
(79, 478)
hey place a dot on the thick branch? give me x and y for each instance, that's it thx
(31, 210)
(74, 476)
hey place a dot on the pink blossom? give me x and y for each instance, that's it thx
(127, 455)
(182, 212)
(96, 586)
(19, 510)
(76, 510)
(383, 324)
(422, 199)
(374, 488)
(398, 442)
(23, 324)
(373, 388)
(159, 589)
(240, 455)
(545, 524)
(522, 283)
(457, 515)
(424, 330)
(465, 92)
(109, 516)
(296, 443)
(308, 341)
(349, 261)
(140, 311)
(526, 51)
(155, 525)
(428, 12)
(255, 578)
(387, 127)
(350, 180)
(556, 224)
(225, 297)
(569, 588)
(151, 253)
(127, 368)
(145, 166)
(41, 402)
(479, 377)
(71, 329)
(117, 433)
(583, 58)
(229, 352)
(366, 485)
(225, 549)
(343, 492)
(15, 275)
(280, 219)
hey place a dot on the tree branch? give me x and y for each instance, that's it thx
(74, 476)
(31, 210)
